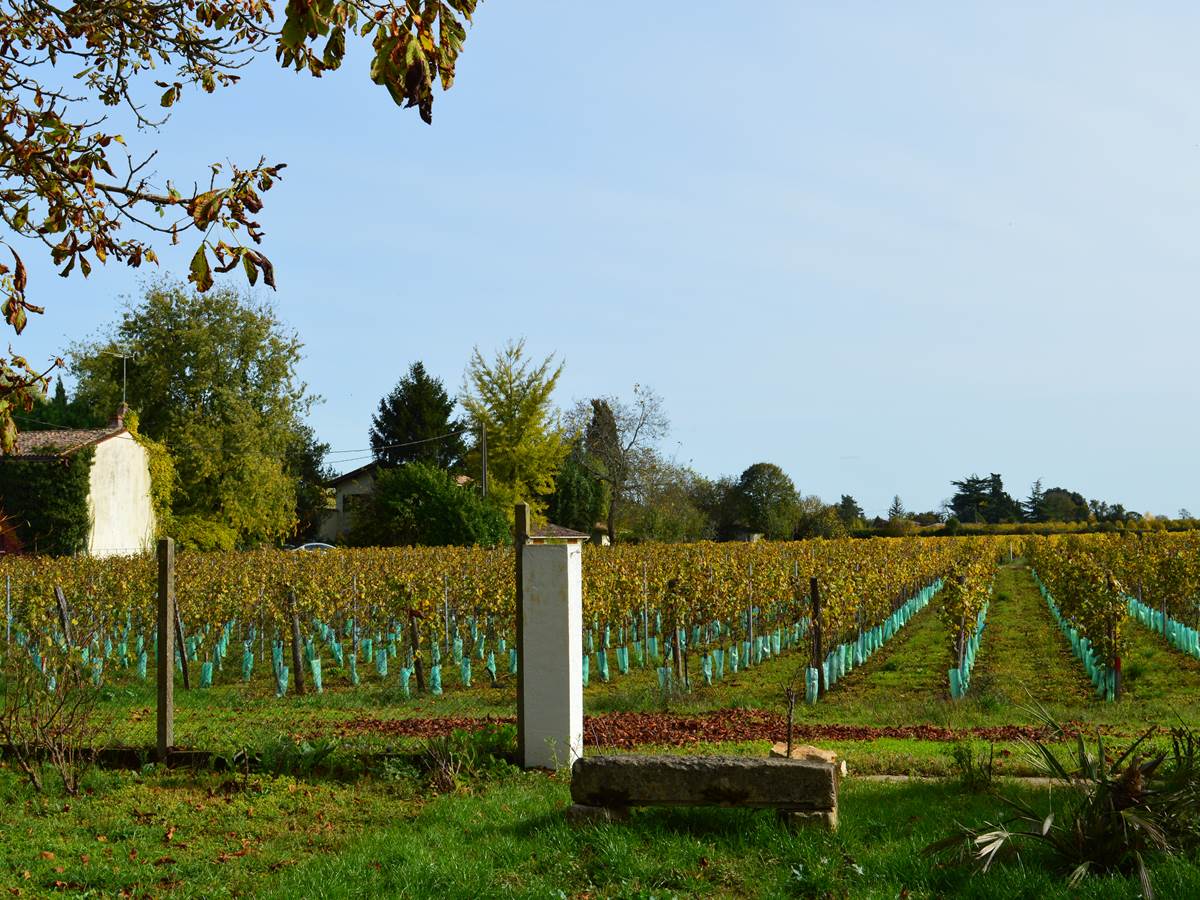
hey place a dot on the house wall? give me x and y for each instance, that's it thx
(119, 502)
(336, 523)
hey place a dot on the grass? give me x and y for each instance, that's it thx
(168, 834)
(512, 841)
(180, 833)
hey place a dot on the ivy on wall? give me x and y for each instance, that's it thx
(46, 501)
(162, 477)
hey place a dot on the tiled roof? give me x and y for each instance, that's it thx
(59, 442)
(555, 532)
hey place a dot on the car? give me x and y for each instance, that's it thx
(318, 546)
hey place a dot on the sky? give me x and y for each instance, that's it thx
(882, 247)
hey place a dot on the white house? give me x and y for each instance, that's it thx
(119, 506)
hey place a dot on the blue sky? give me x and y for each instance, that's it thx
(882, 248)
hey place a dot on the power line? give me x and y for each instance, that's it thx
(398, 446)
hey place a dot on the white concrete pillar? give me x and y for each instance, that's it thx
(550, 708)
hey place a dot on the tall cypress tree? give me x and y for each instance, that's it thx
(417, 414)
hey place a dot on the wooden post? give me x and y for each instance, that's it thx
(297, 652)
(354, 620)
(64, 615)
(817, 654)
(520, 537)
(8, 609)
(414, 642)
(181, 642)
(165, 665)
(446, 610)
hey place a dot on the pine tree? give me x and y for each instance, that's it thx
(413, 423)
(896, 510)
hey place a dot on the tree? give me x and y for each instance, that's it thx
(850, 512)
(896, 510)
(719, 502)
(511, 397)
(420, 504)
(214, 379)
(413, 423)
(59, 412)
(768, 501)
(578, 499)
(619, 438)
(1060, 505)
(306, 463)
(670, 506)
(68, 183)
(817, 519)
(984, 500)
(1031, 508)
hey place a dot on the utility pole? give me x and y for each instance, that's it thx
(483, 450)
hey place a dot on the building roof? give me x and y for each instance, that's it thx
(353, 473)
(555, 533)
(60, 442)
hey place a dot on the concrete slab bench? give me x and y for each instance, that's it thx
(603, 788)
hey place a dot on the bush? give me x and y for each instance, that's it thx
(419, 504)
(49, 717)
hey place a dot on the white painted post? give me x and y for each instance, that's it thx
(550, 707)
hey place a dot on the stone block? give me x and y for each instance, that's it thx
(625, 781)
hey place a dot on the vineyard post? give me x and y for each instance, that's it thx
(751, 583)
(645, 616)
(8, 609)
(962, 628)
(166, 671)
(182, 644)
(354, 615)
(816, 616)
(297, 657)
(64, 614)
(446, 608)
(414, 641)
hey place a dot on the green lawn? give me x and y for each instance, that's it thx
(170, 834)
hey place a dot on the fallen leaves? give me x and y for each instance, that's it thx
(627, 730)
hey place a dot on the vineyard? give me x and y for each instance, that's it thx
(430, 621)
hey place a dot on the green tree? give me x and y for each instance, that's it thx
(420, 504)
(1031, 508)
(69, 182)
(214, 379)
(619, 437)
(817, 519)
(768, 501)
(305, 462)
(850, 512)
(984, 500)
(670, 506)
(414, 423)
(578, 499)
(896, 510)
(59, 411)
(511, 397)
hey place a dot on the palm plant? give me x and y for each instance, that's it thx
(1112, 816)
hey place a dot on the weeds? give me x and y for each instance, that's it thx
(1114, 816)
(975, 775)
